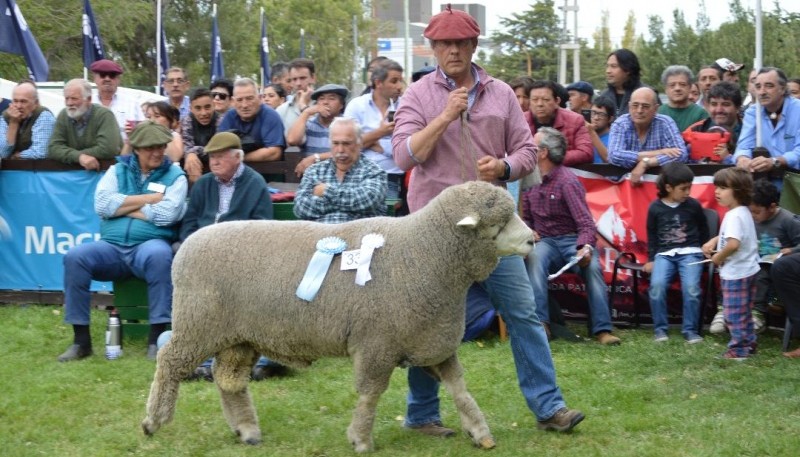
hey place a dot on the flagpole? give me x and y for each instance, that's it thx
(158, 45)
(262, 28)
(757, 66)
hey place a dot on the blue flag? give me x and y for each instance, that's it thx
(164, 61)
(265, 70)
(92, 44)
(217, 68)
(16, 38)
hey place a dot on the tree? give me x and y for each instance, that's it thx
(629, 35)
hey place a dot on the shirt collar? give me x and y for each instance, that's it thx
(236, 175)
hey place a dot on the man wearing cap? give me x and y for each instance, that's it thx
(375, 113)
(730, 69)
(107, 78)
(84, 132)
(26, 126)
(677, 80)
(459, 124)
(140, 201)
(580, 97)
(310, 131)
(258, 126)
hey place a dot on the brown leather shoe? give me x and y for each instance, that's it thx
(607, 339)
(792, 354)
(434, 429)
(563, 420)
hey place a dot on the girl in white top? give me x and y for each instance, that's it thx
(735, 252)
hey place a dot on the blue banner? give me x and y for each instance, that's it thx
(92, 44)
(42, 216)
(16, 38)
(265, 70)
(217, 67)
(164, 62)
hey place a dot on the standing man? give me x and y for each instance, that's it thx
(677, 80)
(107, 78)
(26, 126)
(623, 75)
(780, 128)
(175, 85)
(303, 78)
(374, 111)
(707, 77)
(84, 132)
(580, 96)
(459, 102)
(257, 125)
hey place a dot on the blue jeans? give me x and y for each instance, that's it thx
(512, 297)
(103, 261)
(664, 269)
(552, 253)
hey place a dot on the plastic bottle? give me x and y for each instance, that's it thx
(113, 336)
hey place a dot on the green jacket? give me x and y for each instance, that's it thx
(100, 139)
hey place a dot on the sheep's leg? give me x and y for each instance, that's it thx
(175, 361)
(231, 374)
(472, 420)
(371, 379)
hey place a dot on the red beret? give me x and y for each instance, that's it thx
(452, 24)
(105, 66)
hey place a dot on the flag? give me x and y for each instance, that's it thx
(92, 44)
(16, 38)
(265, 70)
(217, 67)
(164, 61)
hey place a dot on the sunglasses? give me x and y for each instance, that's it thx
(103, 74)
(220, 95)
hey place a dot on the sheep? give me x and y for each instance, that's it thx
(234, 296)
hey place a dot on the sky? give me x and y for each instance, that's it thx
(590, 11)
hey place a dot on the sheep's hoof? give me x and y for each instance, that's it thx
(362, 447)
(149, 427)
(249, 435)
(487, 443)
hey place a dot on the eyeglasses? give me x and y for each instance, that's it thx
(175, 81)
(599, 114)
(220, 95)
(643, 106)
(104, 75)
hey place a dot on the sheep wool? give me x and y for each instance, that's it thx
(234, 297)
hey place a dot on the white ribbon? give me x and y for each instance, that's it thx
(368, 245)
(318, 266)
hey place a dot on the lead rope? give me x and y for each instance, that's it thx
(467, 148)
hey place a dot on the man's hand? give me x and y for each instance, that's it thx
(760, 164)
(536, 236)
(456, 104)
(303, 164)
(648, 267)
(304, 97)
(319, 189)
(721, 151)
(154, 198)
(586, 256)
(490, 168)
(386, 128)
(14, 115)
(671, 152)
(638, 172)
(193, 167)
(89, 162)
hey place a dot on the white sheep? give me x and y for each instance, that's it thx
(234, 296)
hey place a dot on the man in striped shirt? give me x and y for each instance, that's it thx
(310, 131)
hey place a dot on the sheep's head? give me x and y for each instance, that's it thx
(489, 210)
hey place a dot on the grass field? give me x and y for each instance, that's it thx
(640, 399)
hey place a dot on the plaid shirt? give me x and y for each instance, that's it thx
(557, 207)
(624, 145)
(362, 192)
(40, 135)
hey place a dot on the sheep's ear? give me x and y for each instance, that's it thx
(469, 221)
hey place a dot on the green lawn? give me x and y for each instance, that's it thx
(640, 399)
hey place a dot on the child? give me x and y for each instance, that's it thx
(735, 252)
(778, 232)
(676, 230)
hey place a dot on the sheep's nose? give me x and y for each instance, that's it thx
(530, 242)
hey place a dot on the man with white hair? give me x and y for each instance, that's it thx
(26, 126)
(84, 132)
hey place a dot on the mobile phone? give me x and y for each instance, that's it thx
(587, 114)
(390, 116)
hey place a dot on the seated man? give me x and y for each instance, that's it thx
(140, 201)
(724, 102)
(347, 186)
(642, 138)
(563, 228)
(26, 126)
(786, 278)
(84, 132)
(258, 126)
(310, 131)
(196, 130)
(780, 128)
(546, 112)
(677, 79)
(107, 78)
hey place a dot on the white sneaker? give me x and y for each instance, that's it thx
(758, 322)
(718, 324)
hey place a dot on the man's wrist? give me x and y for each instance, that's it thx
(506, 171)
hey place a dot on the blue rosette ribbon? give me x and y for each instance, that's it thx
(318, 266)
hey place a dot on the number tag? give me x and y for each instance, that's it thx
(350, 259)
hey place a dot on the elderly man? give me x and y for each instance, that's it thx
(310, 132)
(303, 78)
(780, 128)
(725, 99)
(375, 113)
(563, 228)
(140, 201)
(84, 132)
(107, 78)
(257, 125)
(26, 126)
(677, 80)
(642, 138)
(546, 112)
(580, 97)
(176, 84)
(460, 100)
(347, 186)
